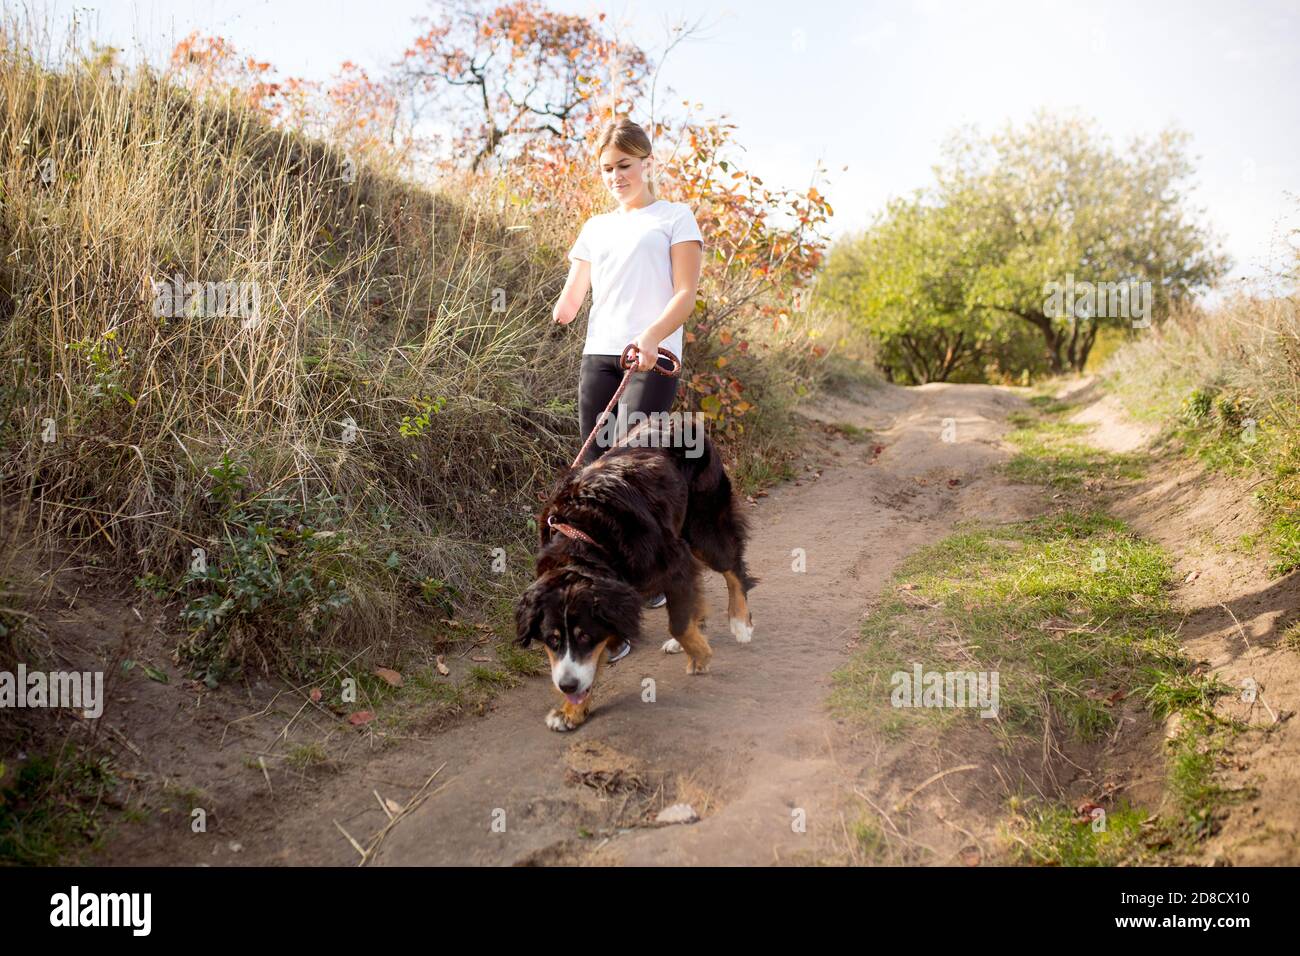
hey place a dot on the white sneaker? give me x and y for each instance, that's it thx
(658, 600)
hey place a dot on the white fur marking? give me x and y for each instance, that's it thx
(672, 646)
(742, 632)
(567, 668)
(555, 720)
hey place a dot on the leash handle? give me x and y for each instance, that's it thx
(627, 362)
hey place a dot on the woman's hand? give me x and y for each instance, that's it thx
(558, 316)
(647, 347)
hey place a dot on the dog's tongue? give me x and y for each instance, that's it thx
(576, 699)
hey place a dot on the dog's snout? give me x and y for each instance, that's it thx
(568, 685)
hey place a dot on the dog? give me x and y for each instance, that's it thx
(629, 525)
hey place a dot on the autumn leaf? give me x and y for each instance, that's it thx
(390, 677)
(360, 717)
(315, 695)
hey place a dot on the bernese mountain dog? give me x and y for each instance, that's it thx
(630, 525)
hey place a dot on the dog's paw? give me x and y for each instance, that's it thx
(672, 646)
(697, 665)
(557, 721)
(742, 631)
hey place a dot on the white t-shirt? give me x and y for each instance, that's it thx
(631, 272)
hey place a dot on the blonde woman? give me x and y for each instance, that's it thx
(641, 262)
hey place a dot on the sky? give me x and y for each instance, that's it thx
(877, 86)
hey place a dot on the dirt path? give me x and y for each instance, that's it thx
(749, 746)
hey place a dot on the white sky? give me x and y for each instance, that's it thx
(876, 86)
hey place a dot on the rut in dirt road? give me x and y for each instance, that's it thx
(750, 745)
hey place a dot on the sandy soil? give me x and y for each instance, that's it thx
(750, 746)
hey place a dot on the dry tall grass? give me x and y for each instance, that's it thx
(415, 316)
(348, 459)
(1227, 383)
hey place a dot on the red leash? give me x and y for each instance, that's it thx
(627, 362)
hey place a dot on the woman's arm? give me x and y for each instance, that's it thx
(574, 293)
(686, 258)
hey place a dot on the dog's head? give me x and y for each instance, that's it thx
(574, 613)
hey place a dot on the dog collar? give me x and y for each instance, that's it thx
(569, 531)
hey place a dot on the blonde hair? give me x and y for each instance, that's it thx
(627, 137)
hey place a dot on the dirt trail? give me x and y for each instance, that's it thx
(750, 745)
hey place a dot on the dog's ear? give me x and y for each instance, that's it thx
(616, 607)
(528, 615)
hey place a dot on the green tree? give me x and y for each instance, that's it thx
(1013, 215)
(903, 280)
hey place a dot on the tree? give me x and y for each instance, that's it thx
(1009, 216)
(1053, 202)
(526, 71)
(904, 279)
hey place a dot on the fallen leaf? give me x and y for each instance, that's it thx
(442, 668)
(315, 695)
(970, 856)
(360, 717)
(1083, 812)
(390, 677)
(480, 659)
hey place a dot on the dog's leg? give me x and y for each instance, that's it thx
(696, 646)
(571, 716)
(742, 621)
(684, 624)
(684, 605)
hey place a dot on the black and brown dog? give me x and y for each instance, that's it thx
(625, 527)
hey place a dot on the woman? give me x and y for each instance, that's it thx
(642, 264)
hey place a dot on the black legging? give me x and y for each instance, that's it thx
(598, 381)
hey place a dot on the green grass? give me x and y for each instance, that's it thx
(1215, 426)
(1070, 609)
(47, 807)
(1224, 389)
(305, 756)
(1053, 452)
(1291, 637)
(850, 431)
(1198, 797)
(1054, 835)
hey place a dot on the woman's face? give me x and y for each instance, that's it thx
(624, 175)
